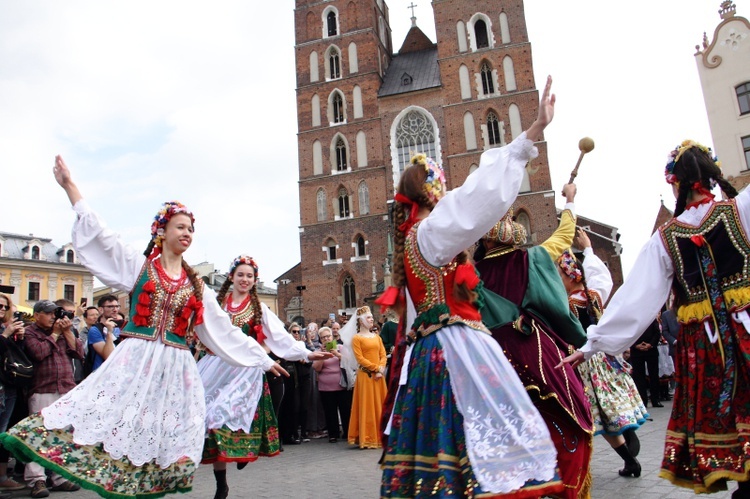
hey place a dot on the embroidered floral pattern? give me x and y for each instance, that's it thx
(91, 467)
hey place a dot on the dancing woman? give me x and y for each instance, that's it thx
(240, 420)
(135, 427)
(536, 329)
(616, 406)
(703, 256)
(462, 422)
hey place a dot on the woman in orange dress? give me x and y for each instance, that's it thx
(366, 353)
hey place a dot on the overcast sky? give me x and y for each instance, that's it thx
(195, 101)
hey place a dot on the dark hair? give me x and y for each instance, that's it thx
(105, 299)
(411, 186)
(86, 312)
(697, 166)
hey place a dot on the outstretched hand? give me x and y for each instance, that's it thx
(573, 359)
(581, 239)
(277, 370)
(319, 355)
(546, 105)
(62, 176)
(545, 114)
(61, 171)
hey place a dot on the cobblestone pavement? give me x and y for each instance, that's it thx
(320, 469)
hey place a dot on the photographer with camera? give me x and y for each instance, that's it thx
(101, 342)
(50, 343)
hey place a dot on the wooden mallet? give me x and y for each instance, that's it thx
(586, 145)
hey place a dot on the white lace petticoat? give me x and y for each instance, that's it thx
(145, 402)
(232, 393)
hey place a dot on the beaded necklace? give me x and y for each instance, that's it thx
(234, 309)
(170, 285)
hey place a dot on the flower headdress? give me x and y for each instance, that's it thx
(434, 184)
(243, 260)
(164, 215)
(569, 265)
(362, 311)
(507, 231)
(676, 154)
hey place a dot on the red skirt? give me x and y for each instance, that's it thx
(704, 446)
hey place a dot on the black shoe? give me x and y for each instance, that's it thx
(241, 466)
(633, 470)
(222, 494)
(657, 404)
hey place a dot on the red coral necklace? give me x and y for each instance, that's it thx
(170, 285)
(232, 309)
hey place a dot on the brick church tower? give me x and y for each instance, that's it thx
(363, 110)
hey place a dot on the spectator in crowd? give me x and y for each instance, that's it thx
(333, 391)
(10, 330)
(78, 371)
(103, 335)
(289, 413)
(90, 317)
(388, 332)
(335, 328)
(669, 329)
(370, 389)
(50, 344)
(644, 355)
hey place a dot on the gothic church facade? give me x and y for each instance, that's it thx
(364, 109)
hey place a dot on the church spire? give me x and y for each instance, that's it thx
(413, 17)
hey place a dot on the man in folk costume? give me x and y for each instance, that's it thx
(526, 309)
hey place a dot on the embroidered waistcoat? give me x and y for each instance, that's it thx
(722, 232)
(244, 318)
(164, 308)
(431, 289)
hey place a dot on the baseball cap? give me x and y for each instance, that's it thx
(44, 306)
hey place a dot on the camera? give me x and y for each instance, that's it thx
(17, 316)
(61, 313)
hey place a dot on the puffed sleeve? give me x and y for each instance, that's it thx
(226, 340)
(279, 340)
(466, 213)
(635, 305)
(598, 276)
(562, 238)
(102, 251)
(743, 207)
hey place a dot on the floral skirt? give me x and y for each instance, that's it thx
(240, 421)
(132, 428)
(708, 442)
(91, 466)
(616, 405)
(426, 451)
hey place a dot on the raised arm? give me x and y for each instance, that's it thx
(98, 248)
(466, 213)
(562, 238)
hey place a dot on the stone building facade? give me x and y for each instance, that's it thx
(364, 110)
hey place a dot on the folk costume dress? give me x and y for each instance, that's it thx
(240, 421)
(548, 333)
(616, 405)
(369, 393)
(135, 426)
(704, 256)
(462, 423)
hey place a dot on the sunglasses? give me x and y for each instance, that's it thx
(4, 307)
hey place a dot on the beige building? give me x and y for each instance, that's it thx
(724, 69)
(39, 270)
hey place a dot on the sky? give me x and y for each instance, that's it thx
(195, 101)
